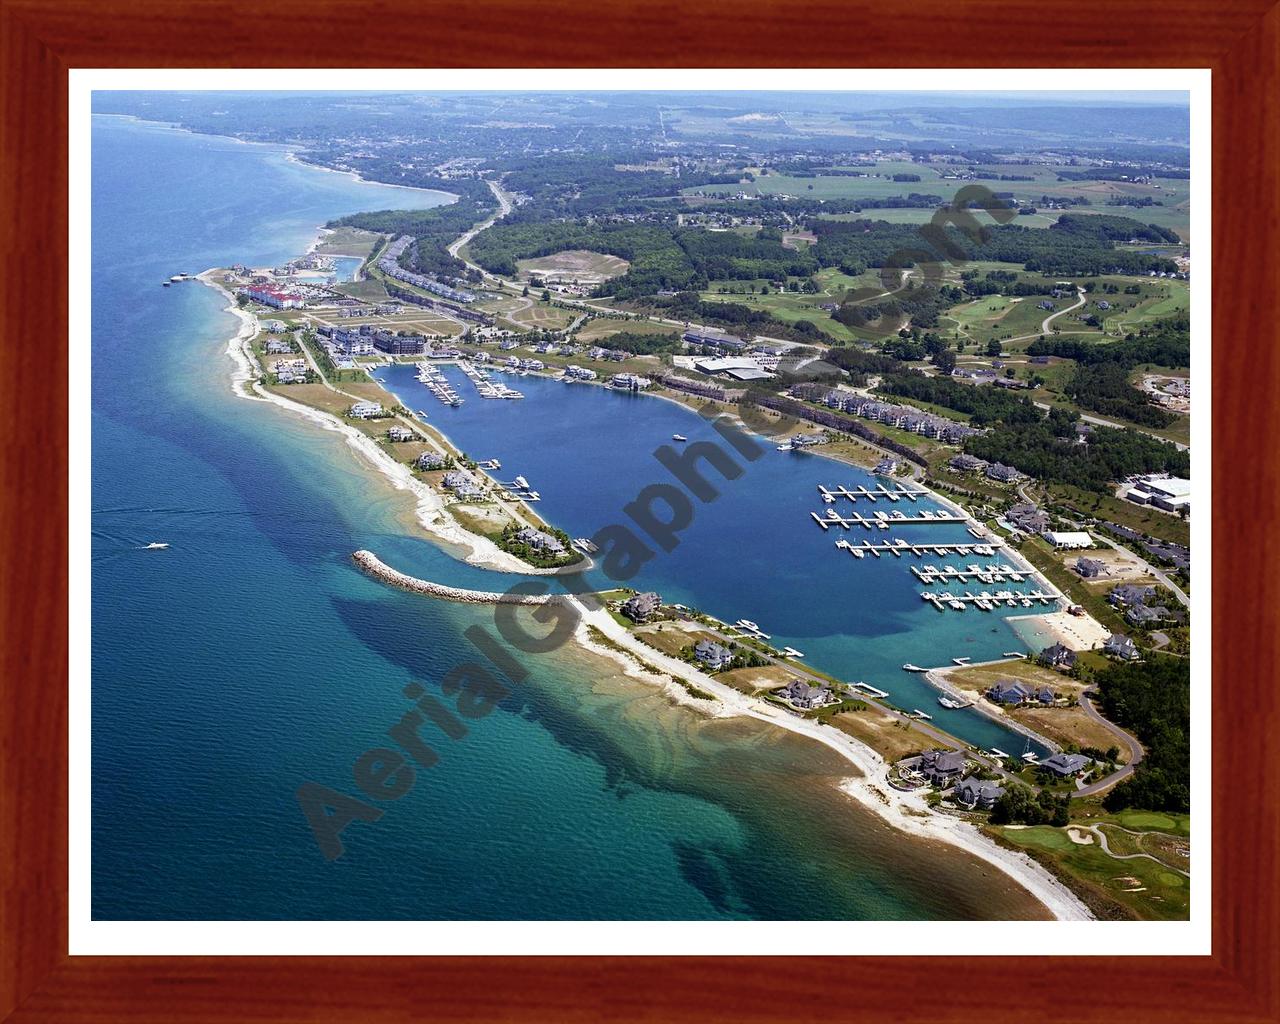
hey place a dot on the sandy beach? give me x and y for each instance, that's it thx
(905, 811)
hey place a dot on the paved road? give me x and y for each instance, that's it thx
(1136, 752)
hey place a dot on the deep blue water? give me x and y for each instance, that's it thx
(751, 552)
(251, 657)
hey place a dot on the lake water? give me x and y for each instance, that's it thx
(251, 657)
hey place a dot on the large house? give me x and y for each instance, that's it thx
(366, 410)
(1129, 594)
(1058, 656)
(941, 766)
(713, 655)
(1028, 518)
(540, 540)
(977, 794)
(1011, 692)
(1090, 568)
(1066, 765)
(1004, 474)
(461, 484)
(429, 460)
(802, 695)
(640, 607)
(1120, 646)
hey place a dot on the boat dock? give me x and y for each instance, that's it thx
(868, 688)
(986, 600)
(983, 574)
(902, 547)
(485, 385)
(884, 520)
(830, 494)
(438, 385)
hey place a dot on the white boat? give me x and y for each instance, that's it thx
(156, 545)
(522, 483)
(748, 624)
(678, 437)
(788, 446)
(908, 667)
(953, 704)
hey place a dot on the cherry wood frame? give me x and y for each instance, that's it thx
(41, 39)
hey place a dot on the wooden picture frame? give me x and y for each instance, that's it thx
(43, 39)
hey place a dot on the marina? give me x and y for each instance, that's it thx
(438, 385)
(486, 386)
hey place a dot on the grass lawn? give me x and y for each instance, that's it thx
(347, 241)
(889, 737)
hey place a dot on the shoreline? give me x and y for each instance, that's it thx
(907, 812)
(429, 505)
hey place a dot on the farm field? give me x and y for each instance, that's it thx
(604, 327)
(1173, 194)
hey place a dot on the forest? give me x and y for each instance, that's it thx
(1152, 699)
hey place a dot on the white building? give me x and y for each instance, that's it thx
(1068, 541)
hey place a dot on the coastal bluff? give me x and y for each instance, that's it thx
(372, 565)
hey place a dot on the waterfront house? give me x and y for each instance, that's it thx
(278, 346)
(713, 655)
(977, 794)
(886, 467)
(366, 410)
(1028, 518)
(640, 607)
(400, 434)
(1058, 656)
(1066, 765)
(429, 460)
(540, 541)
(1090, 568)
(461, 484)
(1012, 693)
(1120, 646)
(805, 696)
(941, 767)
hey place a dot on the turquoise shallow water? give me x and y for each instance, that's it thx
(251, 657)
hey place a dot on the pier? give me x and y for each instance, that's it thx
(485, 385)
(987, 601)
(883, 520)
(830, 494)
(901, 547)
(983, 574)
